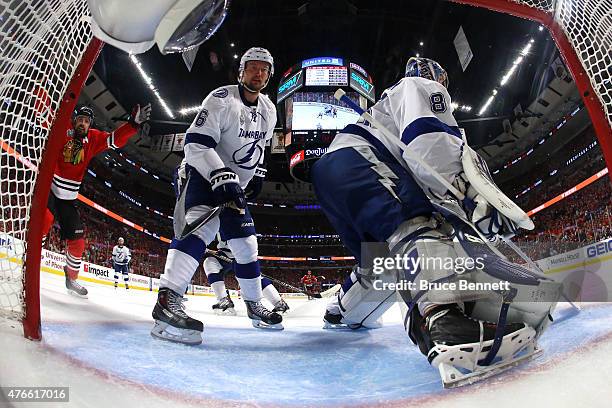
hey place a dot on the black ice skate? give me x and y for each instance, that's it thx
(261, 317)
(74, 288)
(171, 321)
(458, 345)
(280, 307)
(333, 321)
(224, 307)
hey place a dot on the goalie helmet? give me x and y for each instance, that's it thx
(256, 54)
(426, 68)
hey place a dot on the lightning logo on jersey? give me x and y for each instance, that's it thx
(385, 173)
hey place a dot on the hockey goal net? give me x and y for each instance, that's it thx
(46, 52)
(42, 43)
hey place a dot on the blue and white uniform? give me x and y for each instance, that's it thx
(216, 269)
(228, 131)
(365, 184)
(371, 192)
(121, 258)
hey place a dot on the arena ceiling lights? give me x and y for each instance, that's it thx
(524, 52)
(149, 81)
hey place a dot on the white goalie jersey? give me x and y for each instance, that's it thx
(229, 132)
(418, 111)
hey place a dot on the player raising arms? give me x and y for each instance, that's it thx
(371, 190)
(81, 144)
(224, 153)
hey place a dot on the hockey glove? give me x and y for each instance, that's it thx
(486, 218)
(256, 184)
(140, 115)
(225, 188)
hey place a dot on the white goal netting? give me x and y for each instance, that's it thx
(41, 44)
(588, 27)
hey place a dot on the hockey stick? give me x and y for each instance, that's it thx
(458, 211)
(474, 167)
(341, 96)
(190, 228)
(224, 258)
(287, 285)
(536, 268)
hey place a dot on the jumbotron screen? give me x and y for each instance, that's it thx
(320, 110)
(326, 76)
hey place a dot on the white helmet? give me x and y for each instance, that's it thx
(256, 54)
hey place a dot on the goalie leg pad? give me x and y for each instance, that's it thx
(360, 303)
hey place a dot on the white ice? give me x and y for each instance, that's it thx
(102, 350)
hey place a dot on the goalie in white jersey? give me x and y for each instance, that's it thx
(224, 156)
(372, 191)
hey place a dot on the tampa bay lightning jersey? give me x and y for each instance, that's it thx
(236, 130)
(417, 111)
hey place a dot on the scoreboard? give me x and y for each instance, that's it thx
(326, 76)
(310, 114)
(326, 72)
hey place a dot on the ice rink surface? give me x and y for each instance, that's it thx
(101, 348)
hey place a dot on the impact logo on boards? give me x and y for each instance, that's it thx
(96, 270)
(599, 249)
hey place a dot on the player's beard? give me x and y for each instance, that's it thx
(255, 86)
(79, 132)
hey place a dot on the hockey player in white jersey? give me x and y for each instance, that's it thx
(220, 263)
(121, 259)
(372, 191)
(224, 153)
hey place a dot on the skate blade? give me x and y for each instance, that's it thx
(76, 294)
(164, 331)
(227, 312)
(458, 379)
(258, 324)
(331, 326)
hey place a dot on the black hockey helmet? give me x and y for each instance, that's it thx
(83, 111)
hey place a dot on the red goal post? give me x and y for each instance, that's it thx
(46, 54)
(582, 31)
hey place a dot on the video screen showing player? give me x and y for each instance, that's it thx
(320, 110)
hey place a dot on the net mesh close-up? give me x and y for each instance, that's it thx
(41, 44)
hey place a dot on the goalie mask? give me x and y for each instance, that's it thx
(255, 54)
(426, 68)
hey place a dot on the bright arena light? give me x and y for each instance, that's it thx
(506, 77)
(149, 81)
(191, 109)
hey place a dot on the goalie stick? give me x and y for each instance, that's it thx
(474, 167)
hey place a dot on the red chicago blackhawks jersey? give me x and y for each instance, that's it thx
(309, 279)
(76, 155)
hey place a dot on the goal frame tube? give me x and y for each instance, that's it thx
(61, 123)
(581, 78)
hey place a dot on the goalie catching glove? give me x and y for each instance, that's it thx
(486, 218)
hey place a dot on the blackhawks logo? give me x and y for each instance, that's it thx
(73, 152)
